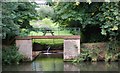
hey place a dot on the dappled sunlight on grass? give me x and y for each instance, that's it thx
(49, 41)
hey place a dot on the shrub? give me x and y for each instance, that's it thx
(113, 51)
(88, 55)
(11, 55)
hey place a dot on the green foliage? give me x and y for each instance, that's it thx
(88, 55)
(112, 52)
(16, 15)
(46, 22)
(25, 12)
(83, 15)
(109, 17)
(78, 15)
(11, 55)
(49, 41)
(24, 32)
(45, 11)
(8, 25)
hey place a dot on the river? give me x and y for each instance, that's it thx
(54, 62)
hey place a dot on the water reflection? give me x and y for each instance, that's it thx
(21, 67)
(71, 67)
(54, 62)
(91, 66)
(51, 63)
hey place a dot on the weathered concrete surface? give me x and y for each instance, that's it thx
(25, 48)
(71, 48)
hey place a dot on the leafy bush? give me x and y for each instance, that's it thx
(88, 55)
(11, 55)
(113, 52)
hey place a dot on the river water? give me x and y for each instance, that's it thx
(54, 62)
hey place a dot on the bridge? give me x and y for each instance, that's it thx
(71, 45)
(71, 42)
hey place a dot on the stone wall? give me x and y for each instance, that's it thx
(101, 45)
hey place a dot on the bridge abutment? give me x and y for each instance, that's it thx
(25, 48)
(71, 48)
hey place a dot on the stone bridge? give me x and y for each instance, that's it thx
(71, 45)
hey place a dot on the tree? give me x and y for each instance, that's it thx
(76, 14)
(16, 15)
(45, 11)
(109, 18)
(104, 16)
